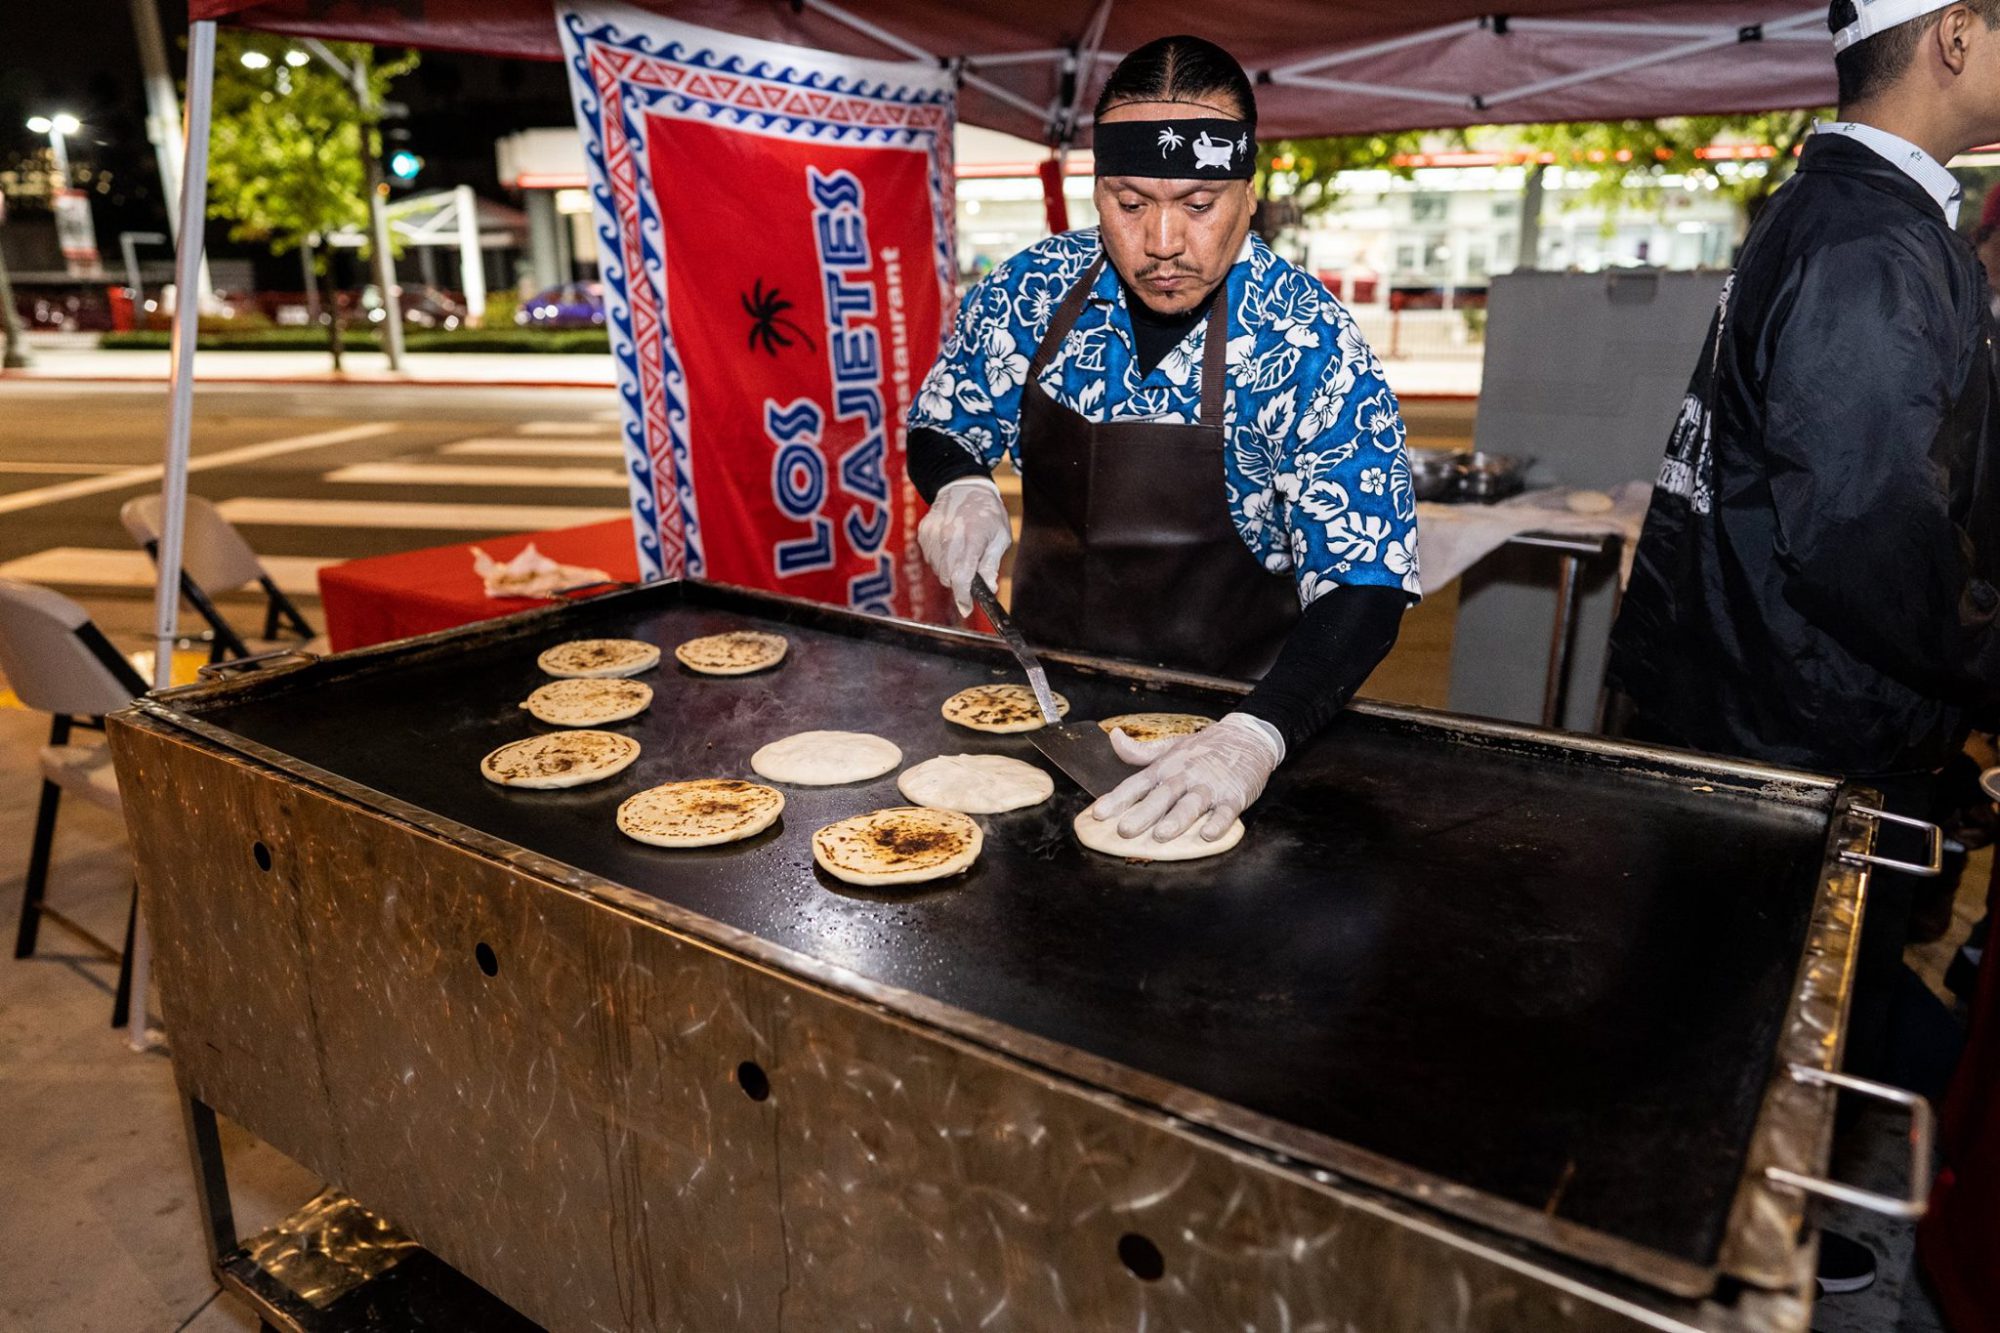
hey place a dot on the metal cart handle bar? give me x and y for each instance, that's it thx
(1922, 1130)
(569, 589)
(1934, 857)
(217, 670)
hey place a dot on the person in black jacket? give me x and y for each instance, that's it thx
(1815, 583)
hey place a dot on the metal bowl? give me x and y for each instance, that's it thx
(1435, 473)
(1486, 478)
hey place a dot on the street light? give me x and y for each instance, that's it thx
(297, 59)
(255, 60)
(56, 127)
(74, 230)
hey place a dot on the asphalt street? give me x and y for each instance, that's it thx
(317, 474)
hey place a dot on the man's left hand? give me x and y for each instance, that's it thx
(1217, 772)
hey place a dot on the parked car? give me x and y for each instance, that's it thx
(574, 305)
(424, 307)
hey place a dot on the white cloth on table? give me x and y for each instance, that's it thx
(531, 574)
(1458, 536)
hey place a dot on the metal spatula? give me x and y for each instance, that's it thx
(1080, 749)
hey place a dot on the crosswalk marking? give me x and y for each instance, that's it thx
(593, 427)
(95, 567)
(416, 514)
(62, 469)
(538, 448)
(153, 472)
(461, 474)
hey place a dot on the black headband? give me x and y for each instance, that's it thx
(1177, 150)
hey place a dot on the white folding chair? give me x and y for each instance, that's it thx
(58, 662)
(214, 560)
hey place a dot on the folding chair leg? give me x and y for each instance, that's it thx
(227, 642)
(38, 870)
(121, 1005)
(278, 607)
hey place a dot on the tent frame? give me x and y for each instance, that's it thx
(180, 426)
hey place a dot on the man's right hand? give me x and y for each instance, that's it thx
(966, 533)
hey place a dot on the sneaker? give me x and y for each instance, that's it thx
(1845, 1265)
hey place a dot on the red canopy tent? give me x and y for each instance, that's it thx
(1322, 68)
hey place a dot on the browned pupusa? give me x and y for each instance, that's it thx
(703, 812)
(737, 653)
(999, 708)
(560, 759)
(1155, 726)
(904, 844)
(588, 702)
(591, 658)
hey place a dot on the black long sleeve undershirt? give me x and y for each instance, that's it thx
(936, 460)
(1333, 649)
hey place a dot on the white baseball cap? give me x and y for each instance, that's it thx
(1873, 16)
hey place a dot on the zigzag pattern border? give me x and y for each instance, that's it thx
(619, 80)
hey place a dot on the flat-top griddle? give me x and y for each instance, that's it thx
(1496, 965)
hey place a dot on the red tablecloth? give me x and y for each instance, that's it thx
(388, 597)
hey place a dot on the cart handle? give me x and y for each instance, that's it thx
(1922, 1131)
(569, 588)
(1933, 858)
(217, 670)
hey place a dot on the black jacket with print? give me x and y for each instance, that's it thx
(1814, 586)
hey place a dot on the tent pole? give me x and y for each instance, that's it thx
(1423, 37)
(163, 116)
(471, 259)
(915, 52)
(180, 419)
(384, 257)
(1055, 205)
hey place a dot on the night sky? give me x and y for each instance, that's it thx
(80, 56)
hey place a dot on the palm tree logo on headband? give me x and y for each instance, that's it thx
(1169, 140)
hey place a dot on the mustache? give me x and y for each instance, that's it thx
(1165, 271)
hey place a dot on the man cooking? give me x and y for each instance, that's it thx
(1212, 468)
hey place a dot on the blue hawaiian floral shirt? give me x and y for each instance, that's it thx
(1318, 481)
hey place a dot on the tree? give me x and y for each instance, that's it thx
(285, 157)
(1628, 160)
(1297, 178)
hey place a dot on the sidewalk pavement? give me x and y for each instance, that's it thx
(109, 1238)
(1411, 377)
(74, 364)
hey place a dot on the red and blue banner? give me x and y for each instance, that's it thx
(774, 229)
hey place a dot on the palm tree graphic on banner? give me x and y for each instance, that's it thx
(1169, 140)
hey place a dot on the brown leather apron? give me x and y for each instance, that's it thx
(1127, 546)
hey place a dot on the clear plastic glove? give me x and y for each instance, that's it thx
(1218, 772)
(966, 533)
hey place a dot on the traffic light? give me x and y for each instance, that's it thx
(404, 165)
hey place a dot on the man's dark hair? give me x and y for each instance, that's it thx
(1867, 69)
(1181, 69)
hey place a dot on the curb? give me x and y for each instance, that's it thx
(382, 381)
(305, 381)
